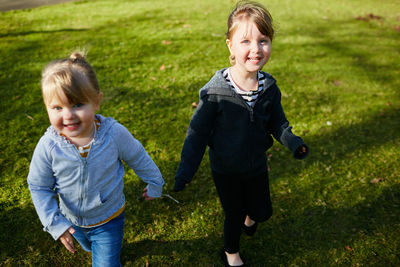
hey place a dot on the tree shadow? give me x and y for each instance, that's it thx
(23, 236)
(15, 34)
(177, 251)
(325, 230)
(330, 146)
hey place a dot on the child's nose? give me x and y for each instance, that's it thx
(68, 113)
(255, 46)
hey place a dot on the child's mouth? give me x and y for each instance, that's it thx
(71, 126)
(254, 59)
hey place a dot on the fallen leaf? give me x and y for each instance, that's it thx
(396, 28)
(166, 42)
(361, 18)
(376, 180)
(194, 105)
(369, 17)
(187, 26)
(162, 67)
(29, 117)
(349, 248)
(372, 16)
(337, 83)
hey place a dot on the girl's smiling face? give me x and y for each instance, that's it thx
(74, 120)
(250, 48)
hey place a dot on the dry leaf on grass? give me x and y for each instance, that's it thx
(348, 248)
(376, 180)
(166, 42)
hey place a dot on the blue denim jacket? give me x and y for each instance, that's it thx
(90, 189)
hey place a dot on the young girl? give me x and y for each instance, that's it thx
(79, 159)
(239, 109)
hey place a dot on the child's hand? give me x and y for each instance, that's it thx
(67, 239)
(301, 152)
(146, 197)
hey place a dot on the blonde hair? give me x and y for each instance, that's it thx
(257, 13)
(72, 76)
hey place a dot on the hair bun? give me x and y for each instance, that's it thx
(77, 56)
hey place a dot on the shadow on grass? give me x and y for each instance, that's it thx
(23, 241)
(331, 146)
(319, 232)
(177, 251)
(330, 233)
(41, 32)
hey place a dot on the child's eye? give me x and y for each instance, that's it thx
(57, 108)
(264, 41)
(78, 105)
(245, 41)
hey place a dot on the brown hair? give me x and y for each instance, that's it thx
(251, 11)
(73, 76)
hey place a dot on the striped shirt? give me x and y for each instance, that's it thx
(84, 150)
(249, 96)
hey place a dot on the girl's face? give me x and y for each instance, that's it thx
(250, 47)
(74, 120)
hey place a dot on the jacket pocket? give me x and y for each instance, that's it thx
(94, 201)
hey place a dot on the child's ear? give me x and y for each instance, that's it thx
(229, 45)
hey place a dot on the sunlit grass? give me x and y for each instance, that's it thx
(338, 68)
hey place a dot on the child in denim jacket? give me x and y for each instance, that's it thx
(79, 160)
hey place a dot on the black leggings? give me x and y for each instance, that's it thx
(241, 195)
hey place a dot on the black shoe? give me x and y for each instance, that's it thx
(225, 259)
(250, 230)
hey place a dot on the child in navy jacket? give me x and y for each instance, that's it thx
(239, 109)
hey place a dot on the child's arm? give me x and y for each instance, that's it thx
(133, 153)
(282, 132)
(41, 185)
(194, 146)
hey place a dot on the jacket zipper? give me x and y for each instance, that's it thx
(250, 108)
(82, 181)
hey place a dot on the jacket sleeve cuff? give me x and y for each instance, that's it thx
(298, 155)
(293, 142)
(153, 190)
(58, 226)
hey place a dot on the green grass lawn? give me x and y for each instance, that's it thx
(338, 66)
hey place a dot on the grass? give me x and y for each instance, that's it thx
(338, 68)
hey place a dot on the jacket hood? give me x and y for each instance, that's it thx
(218, 84)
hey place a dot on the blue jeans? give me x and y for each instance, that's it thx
(104, 241)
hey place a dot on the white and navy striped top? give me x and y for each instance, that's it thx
(248, 96)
